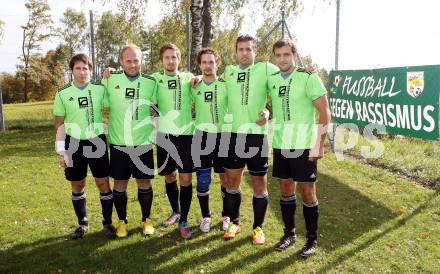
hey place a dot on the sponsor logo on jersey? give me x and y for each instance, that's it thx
(172, 84)
(241, 77)
(282, 91)
(208, 96)
(83, 102)
(129, 93)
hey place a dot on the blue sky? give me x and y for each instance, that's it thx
(374, 33)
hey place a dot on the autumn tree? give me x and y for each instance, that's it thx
(35, 31)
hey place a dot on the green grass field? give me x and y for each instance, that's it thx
(371, 220)
(414, 158)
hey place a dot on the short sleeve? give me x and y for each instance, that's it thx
(223, 75)
(268, 86)
(315, 87)
(193, 91)
(154, 95)
(271, 69)
(104, 82)
(189, 76)
(58, 106)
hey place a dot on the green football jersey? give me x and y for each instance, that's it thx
(247, 93)
(81, 109)
(174, 101)
(211, 103)
(129, 100)
(294, 114)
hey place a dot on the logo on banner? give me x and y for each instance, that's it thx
(337, 80)
(414, 83)
(335, 83)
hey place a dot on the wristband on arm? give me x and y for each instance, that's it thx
(60, 146)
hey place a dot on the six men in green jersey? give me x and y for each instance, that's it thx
(229, 133)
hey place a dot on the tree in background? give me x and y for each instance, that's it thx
(134, 13)
(205, 15)
(224, 43)
(9, 85)
(49, 75)
(45, 73)
(205, 27)
(197, 32)
(115, 29)
(73, 31)
(111, 36)
(46, 76)
(35, 31)
(171, 29)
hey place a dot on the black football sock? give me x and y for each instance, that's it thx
(79, 205)
(145, 198)
(173, 195)
(120, 200)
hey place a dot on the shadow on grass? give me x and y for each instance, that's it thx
(345, 215)
(280, 265)
(151, 254)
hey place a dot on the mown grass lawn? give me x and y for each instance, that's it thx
(371, 221)
(412, 157)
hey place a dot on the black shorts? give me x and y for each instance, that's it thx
(205, 153)
(127, 161)
(251, 150)
(174, 152)
(83, 153)
(294, 164)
